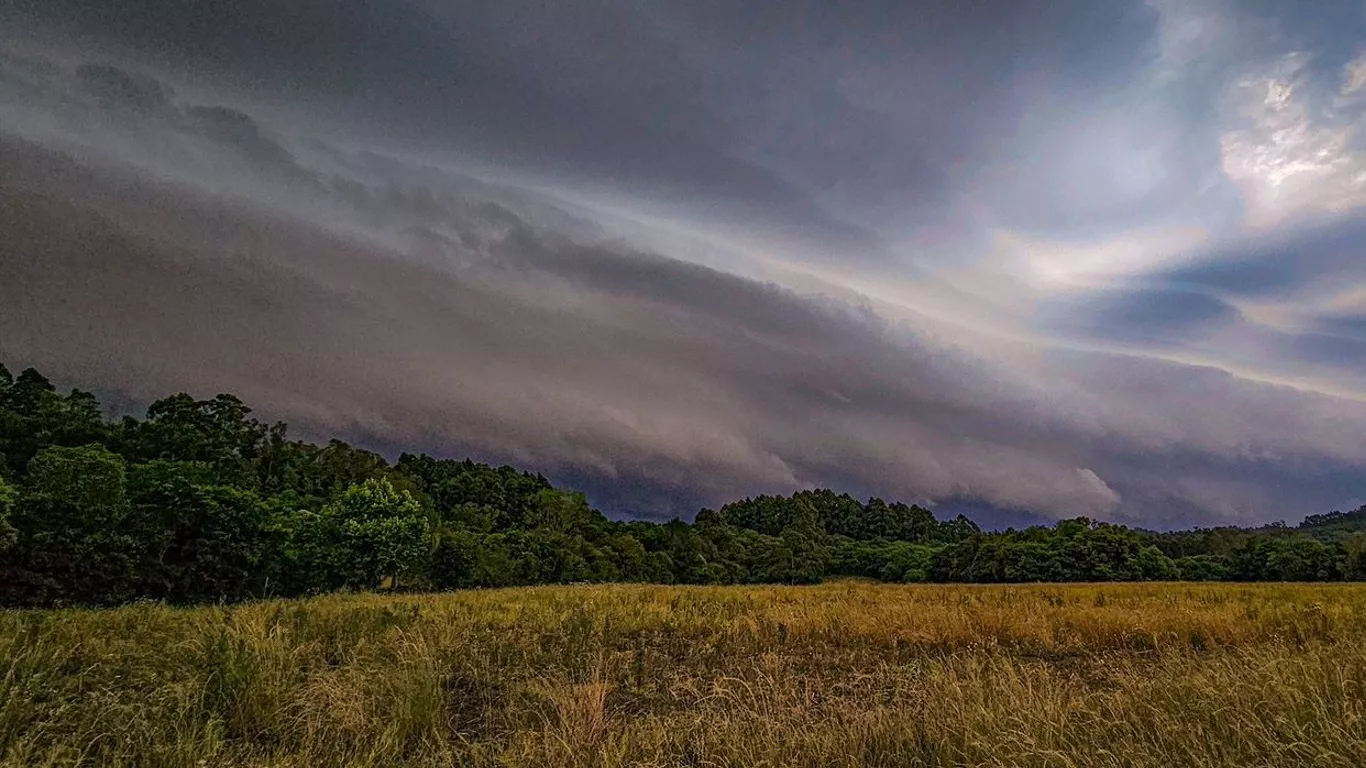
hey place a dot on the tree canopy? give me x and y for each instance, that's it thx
(197, 501)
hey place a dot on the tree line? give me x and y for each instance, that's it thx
(197, 501)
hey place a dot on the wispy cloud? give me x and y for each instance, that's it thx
(1299, 148)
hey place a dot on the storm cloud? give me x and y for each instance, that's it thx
(988, 256)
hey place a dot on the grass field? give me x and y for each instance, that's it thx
(845, 674)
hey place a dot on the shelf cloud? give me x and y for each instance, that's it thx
(984, 256)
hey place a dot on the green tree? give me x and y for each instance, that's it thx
(1030, 561)
(33, 416)
(27, 393)
(906, 562)
(328, 471)
(202, 540)
(74, 541)
(369, 534)
(1155, 566)
(217, 432)
(1202, 568)
(630, 557)
(1293, 557)
(508, 496)
(1354, 556)
(8, 495)
(561, 511)
(455, 560)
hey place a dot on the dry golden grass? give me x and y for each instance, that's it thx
(845, 674)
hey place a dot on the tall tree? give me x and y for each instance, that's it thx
(74, 541)
(370, 534)
(217, 432)
(202, 540)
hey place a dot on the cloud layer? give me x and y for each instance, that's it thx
(987, 258)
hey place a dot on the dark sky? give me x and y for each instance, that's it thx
(1030, 259)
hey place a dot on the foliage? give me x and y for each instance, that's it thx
(200, 502)
(74, 540)
(7, 497)
(370, 533)
(203, 540)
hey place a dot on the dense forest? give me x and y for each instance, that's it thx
(200, 502)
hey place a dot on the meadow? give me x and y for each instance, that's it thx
(841, 674)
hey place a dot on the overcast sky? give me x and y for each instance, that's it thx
(1029, 258)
